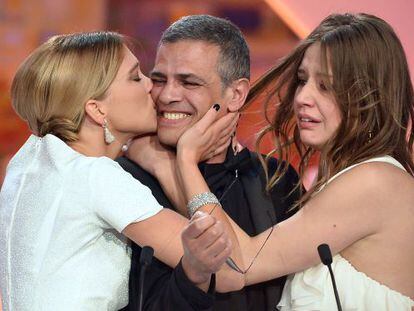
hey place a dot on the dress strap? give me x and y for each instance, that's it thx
(386, 159)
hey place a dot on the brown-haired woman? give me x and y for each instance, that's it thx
(64, 201)
(345, 92)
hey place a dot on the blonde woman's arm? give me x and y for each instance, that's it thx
(160, 162)
(202, 244)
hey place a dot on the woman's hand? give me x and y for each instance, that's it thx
(209, 137)
(148, 153)
(206, 247)
(160, 162)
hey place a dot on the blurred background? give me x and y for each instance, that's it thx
(272, 28)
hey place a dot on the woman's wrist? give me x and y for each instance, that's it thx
(186, 168)
(163, 169)
(190, 178)
(186, 154)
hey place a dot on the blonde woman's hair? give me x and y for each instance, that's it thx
(372, 87)
(53, 84)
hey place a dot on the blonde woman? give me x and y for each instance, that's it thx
(65, 205)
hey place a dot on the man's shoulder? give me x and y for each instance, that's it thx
(139, 173)
(285, 192)
(134, 169)
(278, 200)
(146, 179)
(272, 165)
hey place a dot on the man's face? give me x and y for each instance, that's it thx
(186, 85)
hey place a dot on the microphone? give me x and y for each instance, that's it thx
(326, 258)
(145, 259)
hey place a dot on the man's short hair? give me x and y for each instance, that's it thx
(234, 59)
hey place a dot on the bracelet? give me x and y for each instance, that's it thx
(200, 200)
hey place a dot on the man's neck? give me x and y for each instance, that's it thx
(220, 158)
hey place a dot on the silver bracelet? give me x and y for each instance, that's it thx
(200, 200)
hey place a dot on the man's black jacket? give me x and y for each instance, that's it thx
(246, 202)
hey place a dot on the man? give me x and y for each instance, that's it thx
(202, 60)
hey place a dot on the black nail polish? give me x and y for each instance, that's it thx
(216, 106)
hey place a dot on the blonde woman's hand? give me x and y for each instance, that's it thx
(148, 153)
(210, 136)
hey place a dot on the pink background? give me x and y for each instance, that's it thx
(304, 15)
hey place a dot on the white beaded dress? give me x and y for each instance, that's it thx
(61, 214)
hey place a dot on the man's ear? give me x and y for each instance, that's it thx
(95, 111)
(240, 88)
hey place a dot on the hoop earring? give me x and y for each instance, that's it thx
(109, 138)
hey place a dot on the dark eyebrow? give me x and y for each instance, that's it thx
(302, 71)
(325, 75)
(179, 76)
(156, 74)
(134, 67)
(185, 76)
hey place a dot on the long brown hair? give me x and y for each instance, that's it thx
(371, 85)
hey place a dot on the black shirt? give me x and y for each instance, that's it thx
(230, 182)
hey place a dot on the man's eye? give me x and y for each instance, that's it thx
(191, 84)
(156, 81)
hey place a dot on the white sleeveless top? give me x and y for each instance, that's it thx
(312, 289)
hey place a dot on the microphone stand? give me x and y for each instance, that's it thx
(144, 260)
(326, 258)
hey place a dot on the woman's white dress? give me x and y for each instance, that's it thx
(312, 288)
(61, 214)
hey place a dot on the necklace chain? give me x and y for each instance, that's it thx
(230, 262)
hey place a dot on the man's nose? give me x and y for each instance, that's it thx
(171, 92)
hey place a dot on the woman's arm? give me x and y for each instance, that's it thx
(206, 245)
(147, 152)
(341, 214)
(160, 162)
(344, 212)
(210, 134)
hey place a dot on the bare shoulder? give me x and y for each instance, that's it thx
(376, 184)
(377, 175)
